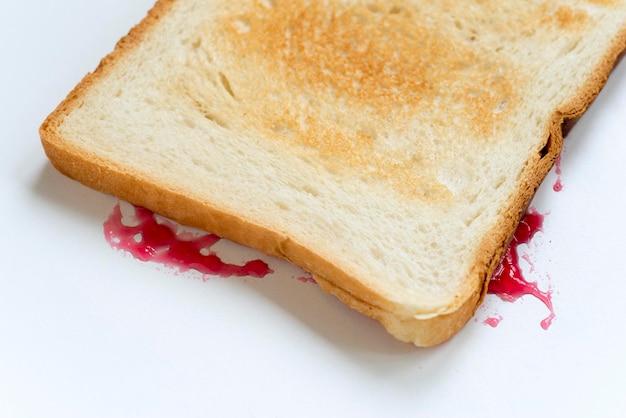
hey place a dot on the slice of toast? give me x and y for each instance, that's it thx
(388, 147)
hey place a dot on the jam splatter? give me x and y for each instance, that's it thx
(307, 278)
(161, 241)
(149, 238)
(493, 321)
(558, 184)
(508, 281)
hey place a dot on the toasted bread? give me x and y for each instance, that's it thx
(388, 147)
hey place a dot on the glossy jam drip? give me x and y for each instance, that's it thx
(160, 241)
(508, 281)
(558, 184)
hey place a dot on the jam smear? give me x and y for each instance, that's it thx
(508, 281)
(307, 278)
(160, 241)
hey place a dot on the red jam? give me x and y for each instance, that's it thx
(149, 239)
(493, 321)
(558, 184)
(508, 281)
(160, 241)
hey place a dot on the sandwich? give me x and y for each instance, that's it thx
(388, 147)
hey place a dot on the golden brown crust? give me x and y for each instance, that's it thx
(537, 169)
(130, 41)
(422, 332)
(101, 175)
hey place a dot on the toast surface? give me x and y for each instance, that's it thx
(388, 147)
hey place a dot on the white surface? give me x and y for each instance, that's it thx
(88, 332)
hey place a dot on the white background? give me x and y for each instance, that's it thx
(86, 331)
